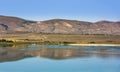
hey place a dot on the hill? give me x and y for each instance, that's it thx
(62, 26)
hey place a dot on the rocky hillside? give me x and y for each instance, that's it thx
(14, 24)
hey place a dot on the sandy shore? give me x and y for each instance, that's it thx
(94, 44)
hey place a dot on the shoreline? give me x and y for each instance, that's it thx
(94, 44)
(55, 43)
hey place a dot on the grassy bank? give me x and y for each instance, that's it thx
(58, 38)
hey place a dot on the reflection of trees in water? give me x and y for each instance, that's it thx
(11, 54)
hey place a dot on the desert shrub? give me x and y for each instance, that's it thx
(4, 40)
(92, 42)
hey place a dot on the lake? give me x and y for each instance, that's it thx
(59, 58)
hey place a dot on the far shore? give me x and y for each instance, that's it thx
(68, 39)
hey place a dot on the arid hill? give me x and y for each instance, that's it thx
(62, 26)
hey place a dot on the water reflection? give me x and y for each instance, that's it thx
(17, 52)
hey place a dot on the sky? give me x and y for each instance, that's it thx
(83, 10)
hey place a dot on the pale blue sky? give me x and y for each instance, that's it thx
(87, 10)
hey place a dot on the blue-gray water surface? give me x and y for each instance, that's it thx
(59, 58)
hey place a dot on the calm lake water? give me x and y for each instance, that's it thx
(59, 58)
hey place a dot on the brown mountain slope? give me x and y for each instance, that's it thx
(11, 23)
(58, 26)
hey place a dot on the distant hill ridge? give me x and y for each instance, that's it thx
(63, 26)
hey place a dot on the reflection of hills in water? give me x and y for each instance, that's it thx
(55, 52)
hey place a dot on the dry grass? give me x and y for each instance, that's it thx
(61, 38)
